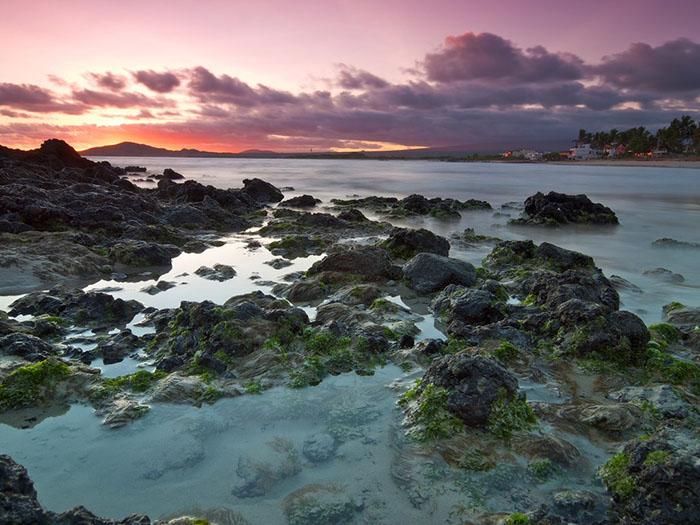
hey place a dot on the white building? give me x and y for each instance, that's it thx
(584, 152)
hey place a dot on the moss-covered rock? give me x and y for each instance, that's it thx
(31, 385)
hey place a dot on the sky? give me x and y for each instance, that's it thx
(342, 75)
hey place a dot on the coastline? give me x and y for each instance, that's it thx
(693, 163)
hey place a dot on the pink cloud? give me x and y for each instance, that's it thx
(158, 82)
(109, 80)
(30, 97)
(93, 98)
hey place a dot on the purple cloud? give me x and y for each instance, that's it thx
(29, 97)
(13, 114)
(109, 80)
(352, 78)
(670, 67)
(158, 82)
(93, 98)
(485, 56)
(205, 84)
(209, 88)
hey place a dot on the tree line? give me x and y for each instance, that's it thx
(680, 136)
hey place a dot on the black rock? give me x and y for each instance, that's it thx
(302, 201)
(26, 346)
(404, 243)
(406, 341)
(262, 191)
(171, 174)
(369, 262)
(467, 305)
(427, 272)
(559, 208)
(352, 215)
(474, 383)
(664, 472)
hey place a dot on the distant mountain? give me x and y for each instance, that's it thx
(134, 149)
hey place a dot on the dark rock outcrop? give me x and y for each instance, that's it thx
(404, 243)
(474, 383)
(656, 480)
(560, 208)
(81, 308)
(664, 275)
(301, 201)
(26, 346)
(371, 263)
(142, 253)
(171, 174)
(427, 272)
(262, 191)
(467, 306)
(352, 215)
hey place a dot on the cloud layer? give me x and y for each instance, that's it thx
(473, 89)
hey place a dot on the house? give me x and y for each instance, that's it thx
(584, 152)
(524, 154)
(614, 150)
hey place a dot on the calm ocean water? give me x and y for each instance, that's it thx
(650, 202)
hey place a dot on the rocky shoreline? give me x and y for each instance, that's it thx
(534, 314)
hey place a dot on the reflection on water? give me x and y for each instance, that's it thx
(191, 287)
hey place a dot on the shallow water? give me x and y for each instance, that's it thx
(179, 456)
(650, 202)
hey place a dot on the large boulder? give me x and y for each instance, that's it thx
(405, 243)
(560, 208)
(467, 305)
(371, 263)
(262, 191)
(27, 346)
(301, 201)
(656, 480)
(551, 290)
(81, 308)
(474, 383)
(587, 329)
(428, 272)
(142, 253)
(562, 259)
(171, 174)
